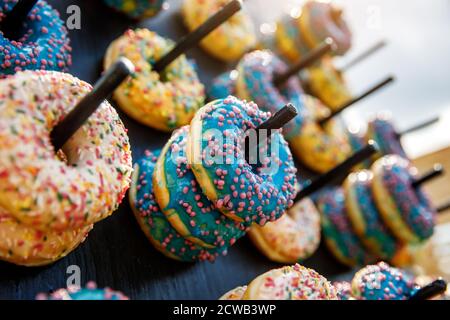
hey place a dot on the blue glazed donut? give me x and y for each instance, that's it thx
(256, 73)
(365, 217)
(182, 201)
(223, 86)
(243, 192)
(383, 132)
(154, 223)
(406, 210)
(137, 9)
(340, 238)
(45, 44)
(91, 292)
(382, 282)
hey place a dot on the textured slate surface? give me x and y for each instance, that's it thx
(117, 254)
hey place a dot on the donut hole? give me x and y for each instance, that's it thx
(25, 32)
(21, 36)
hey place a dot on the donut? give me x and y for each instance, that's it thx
(163, 101)
(289, 41)
(318, 147)
(25, 246)
(137, 9)
(181, 199)
(366, 219)
(243, 192)
(383, 132)
(344, 290)
(382, 282)
(223, 86)
(339, 235)
(406, 210)
(90, 292)
(228, 42)
(154, 223)
(44, 45)
(235, 294)
(256, 72)
(290, 283)
(292, 238)
(36, 187)
(320, 20)
(325, 82)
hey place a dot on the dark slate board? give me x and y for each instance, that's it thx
(117, 254)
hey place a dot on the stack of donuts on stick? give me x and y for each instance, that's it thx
(199, 195)
(54, 186)
(57, 176)
(378, 214)
(50, 198)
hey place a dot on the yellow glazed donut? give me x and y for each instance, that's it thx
(164, 101)
(290, 283)
(325, 82)
(235, 294)
(25, 246)
(294, 237)
(36, 187)
(230, 40)
(320, 148)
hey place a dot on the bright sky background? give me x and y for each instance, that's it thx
(418, 54)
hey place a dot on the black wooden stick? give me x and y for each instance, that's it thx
(437, 171)
(367, 93)
(444, 207)
(364, 55)
(277, 121)
(431, 290)
(104, 87)
(419, 126)
(11, 25)
(193, 38)
(310, 58)
(338, 172)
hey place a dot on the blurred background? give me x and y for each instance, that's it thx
(418, 50)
